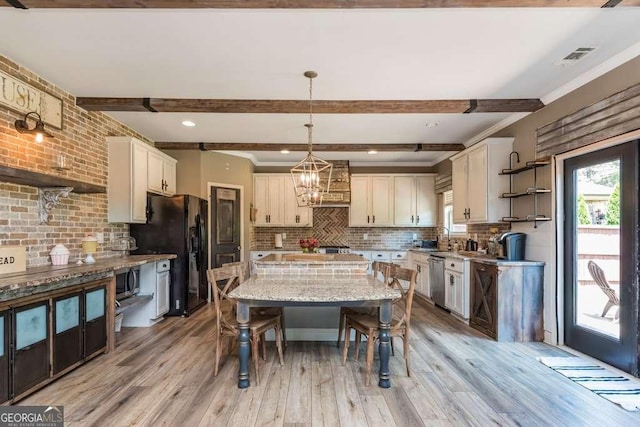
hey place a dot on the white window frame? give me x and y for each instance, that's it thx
(456, 230)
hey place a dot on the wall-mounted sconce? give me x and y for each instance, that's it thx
(38, 130)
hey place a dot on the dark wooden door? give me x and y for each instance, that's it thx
(31, 360)
(484, 298)
(67, 331)
(225, 226)
(601, 255)
(5, 324)
(95, 324)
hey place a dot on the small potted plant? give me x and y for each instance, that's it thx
(309, 245)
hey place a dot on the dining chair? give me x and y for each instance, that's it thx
(222, 281)
(377, 267)
(367, 324)
(244, 274)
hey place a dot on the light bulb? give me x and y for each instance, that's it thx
(39, 138)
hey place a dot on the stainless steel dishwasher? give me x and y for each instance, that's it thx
(436, 279)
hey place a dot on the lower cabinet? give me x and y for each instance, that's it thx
(31, 355)
(5, 322)
(506, 300)
(67, 331)
(454, 298)
(422, 281)
(43, 339)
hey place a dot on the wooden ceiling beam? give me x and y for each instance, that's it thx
(253, 146)
(306, 4)
(166, 105)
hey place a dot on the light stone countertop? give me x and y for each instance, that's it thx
(314, 289)
(482, 258)
(49, 277)
(302, 258)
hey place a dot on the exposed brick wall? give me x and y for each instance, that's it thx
(82, 140)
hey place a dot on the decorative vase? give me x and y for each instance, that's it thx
(305, 250)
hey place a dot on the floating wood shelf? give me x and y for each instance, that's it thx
(531, 164)
(40, 180)
(528, 218)
(527, 192)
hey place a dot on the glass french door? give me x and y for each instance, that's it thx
(600, 256)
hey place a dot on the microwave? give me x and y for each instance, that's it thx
(127, 282)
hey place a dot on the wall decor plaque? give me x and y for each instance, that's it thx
(24, 98)
(13, 259)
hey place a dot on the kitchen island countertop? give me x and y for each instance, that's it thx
(49, 277)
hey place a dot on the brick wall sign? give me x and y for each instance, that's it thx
(12, 259)
(24, 98)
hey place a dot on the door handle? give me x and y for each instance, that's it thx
(374, 219)
(411, 219)
(238, 247)
(367, 219)
(417, 219)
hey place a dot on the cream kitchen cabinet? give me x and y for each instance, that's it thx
(161, 173)
(476, 185)
(127, 180)
(276, 204)
(456, 283)
(415, 202)
(371, 201)
(419, 262)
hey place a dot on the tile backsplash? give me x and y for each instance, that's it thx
(331, 227)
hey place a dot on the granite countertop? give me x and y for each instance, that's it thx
(479, 257)
(314, 289)
(15, 285)
(301, 258)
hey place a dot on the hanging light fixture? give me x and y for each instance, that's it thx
(310, 187)
(38, 130)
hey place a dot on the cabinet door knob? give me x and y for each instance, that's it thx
(453, 265)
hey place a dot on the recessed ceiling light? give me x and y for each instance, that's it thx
(285, 151)
(432, 124)
(188, 123)
(372, 152)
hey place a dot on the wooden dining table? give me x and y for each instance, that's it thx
(314, 291)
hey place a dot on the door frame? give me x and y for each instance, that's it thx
(558, 200)
(210, 185)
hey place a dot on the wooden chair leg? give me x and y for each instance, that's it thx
(343, 318)
(282, 327)
(264, 346)
(279, 344)
(357, 350)
(370, 341)
(254, 354)
(405, 342)
(218, 352)
(345, 345)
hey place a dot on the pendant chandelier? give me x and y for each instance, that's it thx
(312, 176)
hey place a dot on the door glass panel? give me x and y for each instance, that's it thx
(67, 314)
(597, 251)
(1, 336)
(95, 304)
(31, 326)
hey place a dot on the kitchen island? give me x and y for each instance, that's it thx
(313, 280)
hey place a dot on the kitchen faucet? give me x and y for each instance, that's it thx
(448, 236)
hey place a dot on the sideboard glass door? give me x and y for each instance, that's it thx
(95, 337)
(31, 343)
(67, 332)
(5, 322)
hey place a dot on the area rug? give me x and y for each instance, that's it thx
(610, 385)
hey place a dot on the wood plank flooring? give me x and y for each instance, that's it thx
(163, 376)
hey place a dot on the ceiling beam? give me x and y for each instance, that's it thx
(253, 146)
(307, 4)
(166, 105)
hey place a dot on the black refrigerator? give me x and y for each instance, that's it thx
(178, 225)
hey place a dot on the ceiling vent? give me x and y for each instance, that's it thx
(576, 55)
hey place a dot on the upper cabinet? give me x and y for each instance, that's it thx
(415, 201)
(274, 199)
(130, 174)
(476, 185)
(161, 173)
(371, 201)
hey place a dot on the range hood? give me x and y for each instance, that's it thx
(340, 189)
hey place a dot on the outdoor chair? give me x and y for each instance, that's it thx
(598, 276)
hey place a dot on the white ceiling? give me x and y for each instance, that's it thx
(359, 54)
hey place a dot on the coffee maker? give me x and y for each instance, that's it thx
(512, 246)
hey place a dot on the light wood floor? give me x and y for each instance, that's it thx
(164, 376)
